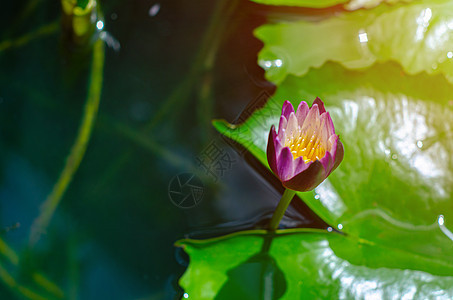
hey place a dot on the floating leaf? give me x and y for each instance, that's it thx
(308, 264)
(350, 5)
(422, 41)
(303, 3)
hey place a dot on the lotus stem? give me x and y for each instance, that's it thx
(281, 208)
(79, 147)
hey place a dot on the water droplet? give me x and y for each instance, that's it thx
(329, 229)
(267, 64)
(278, 63)
(340, 226)
(440, 220)
(394, 156)
(154, 10)
(419, 144)
(186, 295)
(363, 37)
(317, 197)
(434, 66)
(99, 25)
(113, 16)
(450, 54)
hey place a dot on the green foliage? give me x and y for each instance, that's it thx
(82, 3)
(422, 41)
(350, 5)
(388, 89)
(308, 264)
(303, 3)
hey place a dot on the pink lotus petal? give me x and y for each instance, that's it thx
(271, 151)
(285, 166)
(325, 131)
(311, 121)
(333, 140)
(278, 146)
(287, 109)
(339, 154)
(300, 165)
(308, 179)
(316, 123)
(329, 123)
(302, 111)
(292, 128)
(327, 162)
(320, 105)
(282, 127)
(282, 123)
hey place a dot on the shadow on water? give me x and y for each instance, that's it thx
(257, 278)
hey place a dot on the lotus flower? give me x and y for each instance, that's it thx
(306, 149)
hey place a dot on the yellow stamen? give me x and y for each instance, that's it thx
(310, 148)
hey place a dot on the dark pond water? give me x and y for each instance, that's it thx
(170, 68)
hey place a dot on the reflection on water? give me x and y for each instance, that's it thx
(441, 222)
(154, 10)
(363, 37)
(423, 23)
(257, 278)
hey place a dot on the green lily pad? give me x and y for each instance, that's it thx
(308, 264)
(350, 5)
(422, 40)
(302, 3)
(396, 178)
